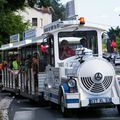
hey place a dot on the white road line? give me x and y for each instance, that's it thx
(24, 115)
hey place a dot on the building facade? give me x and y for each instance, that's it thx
(37, 17)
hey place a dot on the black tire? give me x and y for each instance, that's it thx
(65, 111)
(53, 105)
(118, 108)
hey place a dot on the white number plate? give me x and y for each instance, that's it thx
(100, 100)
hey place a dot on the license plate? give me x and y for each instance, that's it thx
(100, 100)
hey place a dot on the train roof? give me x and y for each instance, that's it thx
(51, 28)
(63, 25)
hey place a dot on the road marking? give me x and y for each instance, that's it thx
(24, 115)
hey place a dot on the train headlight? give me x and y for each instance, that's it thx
(71, 83)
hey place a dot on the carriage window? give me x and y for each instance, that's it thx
(70, 41)
(46, 50)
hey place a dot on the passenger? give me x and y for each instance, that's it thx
(16, 68)
(43, 57)
(16, 63)
(25, 67)
(28, 61)
(35, 66)
(66, 50)
(36, 55)
(4, 64)
(26, 64)
(83, 42)
(10, 60)
(1, 66)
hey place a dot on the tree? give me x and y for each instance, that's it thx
(31, 3)
(45, 3)
(12, 24)
(118, 44)
(58, 9)
(11, 5)
(9, 22)
(114, 34)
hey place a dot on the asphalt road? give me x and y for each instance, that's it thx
(23, 109)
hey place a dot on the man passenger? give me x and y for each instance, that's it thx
(35, 67)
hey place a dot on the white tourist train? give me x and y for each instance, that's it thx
(71, 70)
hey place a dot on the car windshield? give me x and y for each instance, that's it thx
(70, 41)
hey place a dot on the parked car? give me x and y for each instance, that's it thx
(117, 60)
(106, 56)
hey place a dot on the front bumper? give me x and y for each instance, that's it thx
(99, 102)
(72, 100)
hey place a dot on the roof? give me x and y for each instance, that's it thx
(44, 10)
(64, 25)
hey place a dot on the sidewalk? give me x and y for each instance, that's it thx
(5, 102)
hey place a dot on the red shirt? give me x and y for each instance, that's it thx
(113, 44)
(69, 51)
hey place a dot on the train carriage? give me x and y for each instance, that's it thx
(71, 70)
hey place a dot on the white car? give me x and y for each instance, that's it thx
(117, 60)
(106, 56)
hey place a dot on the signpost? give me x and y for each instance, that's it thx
(14, 38)
(29, 34)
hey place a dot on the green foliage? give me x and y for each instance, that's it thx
(58, 9)
(9, 22)
(11, 5)
(31, 3)
(113, 33)
(44, 3)
(12, 24)
(118, 44)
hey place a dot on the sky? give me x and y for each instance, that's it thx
(100, 12)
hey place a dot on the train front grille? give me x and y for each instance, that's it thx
(92, 86)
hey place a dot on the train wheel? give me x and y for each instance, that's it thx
(52, 105)
(63, 109)
(118, 108)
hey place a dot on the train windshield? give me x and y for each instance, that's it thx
(69, 41)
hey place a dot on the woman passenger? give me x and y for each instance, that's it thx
(66, 50)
